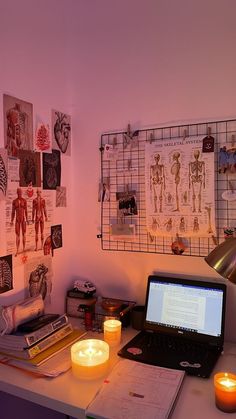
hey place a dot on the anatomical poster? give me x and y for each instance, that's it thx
(3, 174)
(61, 196)
(180, 191)
(51, 170)
(18, 125)
(30, 168)
(38, 277)
(61, 132)
(6, 273)
(28, 218)
(42, 138)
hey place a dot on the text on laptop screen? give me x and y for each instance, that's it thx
(186, 307)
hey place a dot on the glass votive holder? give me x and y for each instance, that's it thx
(225, 391)
(89, 358)
(112, 332)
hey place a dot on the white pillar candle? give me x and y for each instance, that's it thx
(89, 358)
(112, 332)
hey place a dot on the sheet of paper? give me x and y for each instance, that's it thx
(180, 191)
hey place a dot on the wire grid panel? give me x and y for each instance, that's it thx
(127, 173)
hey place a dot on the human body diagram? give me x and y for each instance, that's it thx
(28, 219)
(179, 188)
(39, 216)
(19, 215)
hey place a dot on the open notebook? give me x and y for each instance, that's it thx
(183, 326)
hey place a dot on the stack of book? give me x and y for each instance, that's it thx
(37, 340)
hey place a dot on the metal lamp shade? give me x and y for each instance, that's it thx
(223, 259)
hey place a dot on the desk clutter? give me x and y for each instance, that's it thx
(95, 310)
(30, 337)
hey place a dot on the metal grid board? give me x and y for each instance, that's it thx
(127, 172)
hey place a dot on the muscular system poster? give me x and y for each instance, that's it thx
(180, 192)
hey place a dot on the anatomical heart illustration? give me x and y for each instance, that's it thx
(18, 125)
(61, 132)
(38, 277)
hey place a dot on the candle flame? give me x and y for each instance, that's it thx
(228, 383)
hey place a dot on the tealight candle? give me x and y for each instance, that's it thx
(89, 358)
(225, 391)
(112, 332)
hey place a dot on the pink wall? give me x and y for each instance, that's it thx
(148, 63)
(109, 63)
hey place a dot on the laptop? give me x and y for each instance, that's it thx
(183, 325)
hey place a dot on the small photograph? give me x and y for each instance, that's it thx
(18, 125)
(127, 203)
(56, 236)
(61, 132)
(51, 170)
(122, 231)
(104, 190)
(110, 152)
(6, 274)
(30, 170)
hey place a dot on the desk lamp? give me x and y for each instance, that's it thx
(223, 259)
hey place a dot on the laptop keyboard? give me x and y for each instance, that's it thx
(154, 341)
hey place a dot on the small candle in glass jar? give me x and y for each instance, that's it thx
(89, 358)
(112, 332)
(225, 391)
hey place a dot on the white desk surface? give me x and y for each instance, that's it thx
(68, 395)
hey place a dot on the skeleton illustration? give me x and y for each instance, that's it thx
(208, 209)
(62, 131)
(168, 224)
(38, 281)
(175, 170)
(197, 179)
(185, 197)
(157, 182)
(182, 225)
(3, 177)
(195, 225)
(5, 275)
(155, 224)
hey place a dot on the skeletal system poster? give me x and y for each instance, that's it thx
(179, 182)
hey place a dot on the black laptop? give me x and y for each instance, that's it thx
(183, 325)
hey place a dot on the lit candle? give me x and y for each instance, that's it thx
(89, 358)
(112, 332)
(225, 391)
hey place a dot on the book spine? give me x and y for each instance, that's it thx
(32, 338)
(49, 341)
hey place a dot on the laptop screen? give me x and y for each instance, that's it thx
(185, 307)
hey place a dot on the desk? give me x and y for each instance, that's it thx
(70, 396)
